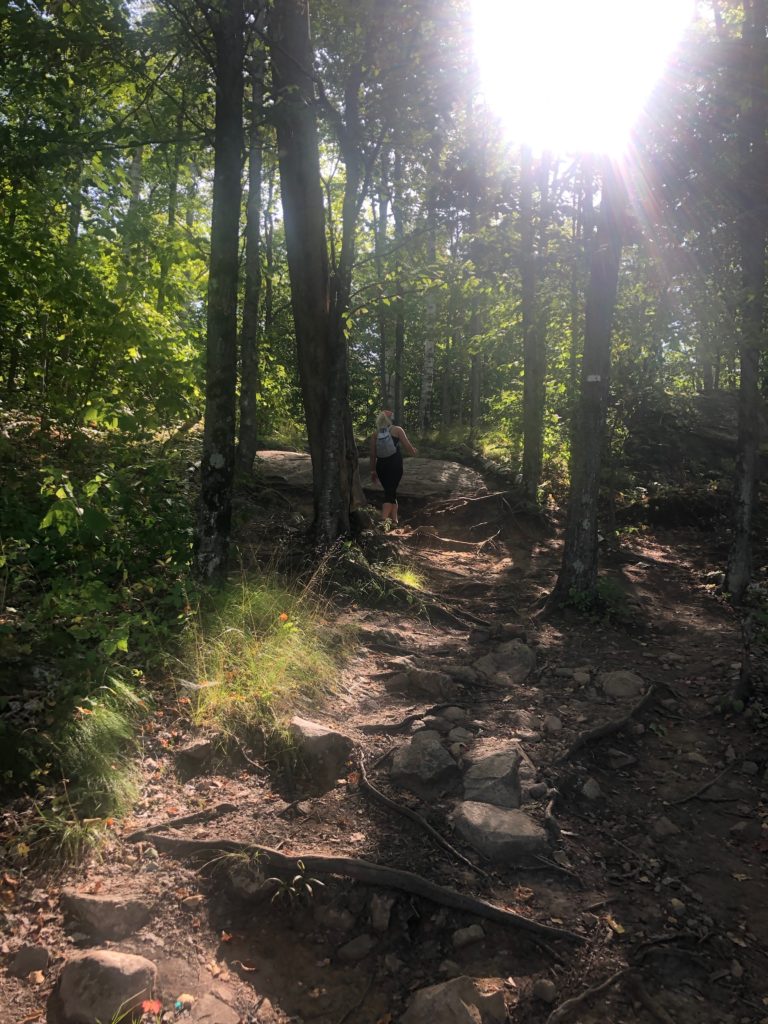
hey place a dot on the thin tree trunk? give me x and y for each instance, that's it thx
(173, 206)
(752, 230)
(269, 254)
(475, 388)
(398, 218)
(318, 305)
(249, 331)
(578, 572)
(433, 325)
(215, 511)
(131, 216)
(381, 219)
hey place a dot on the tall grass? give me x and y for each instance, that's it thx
(255, 651)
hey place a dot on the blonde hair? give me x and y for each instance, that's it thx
(382, 420)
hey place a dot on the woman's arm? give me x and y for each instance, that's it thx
(399, 432)
(373, 456)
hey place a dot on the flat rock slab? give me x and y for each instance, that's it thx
(423, 478)
(503, 835)
(494, 780)
(438, 685)
(209, 1009)
(108, 916)
(96, 986)
(510, 663)
(459, 1001)
(323, 751)
(425, 767)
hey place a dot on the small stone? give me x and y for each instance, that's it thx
(106, 915)
(438, 685)
(663, 827)
(621, 685)
(460, 735)
(357, 949)
(210, 1009)
(537, 791)
(552, 724)
(393, 963)
(323, 752)
(677, 906)
(198, 751)
(591, 789)
(503, 835)
(564, 673)
(545, 990)
(467, 936)
(694, 757)
(459, 1001)
(381, 910)
(730, 754)
(28, 959)
(193, 903)
(100, 984)
(457, 750)
(335, 919)
(581, 678)
(737, 971)
(425, 767)
(516, 660)
(453, 714)
(749, 768)
(495, 780)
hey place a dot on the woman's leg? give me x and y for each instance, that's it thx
(386, 511)
(393, 515)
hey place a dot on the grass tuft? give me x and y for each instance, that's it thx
(406, 575)
(257, 648)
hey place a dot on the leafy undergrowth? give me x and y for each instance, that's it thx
(100, 620)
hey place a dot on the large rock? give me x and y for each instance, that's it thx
(622, 684)
(511, 663)
(494, 780)
(438, 685)
(516, 660)
(425, 767)
(500, 834)
(97, 986)
(28, 959)
(459, 1001)
(209, 1009)
(323, 752)
(106, 916)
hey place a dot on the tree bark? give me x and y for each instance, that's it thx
(432, 326)
(250, 328)
(319, 303)
(215, 510)
(752, 232)
(166, 258)
(578, 572)
(399, 219)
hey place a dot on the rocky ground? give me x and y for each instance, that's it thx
(536, 862)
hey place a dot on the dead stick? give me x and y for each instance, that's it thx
(550, 821)
(413, 816)
(187, 819)
(564, 1009)
(701, 789)
(367, 873)
(607, 728)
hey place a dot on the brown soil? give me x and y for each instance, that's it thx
(687, 913)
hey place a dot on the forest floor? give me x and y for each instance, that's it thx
(656, 876)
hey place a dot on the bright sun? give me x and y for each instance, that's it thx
(572, 75)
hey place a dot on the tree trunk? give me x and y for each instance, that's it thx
(249, 331)
(173, 206)
(131, 217)
(534, 328)
(398, 218)
(432, 326)
(380, 207)
(475, 385)
(215, 512)
(318, 305)
(578, 572)
(752, 230)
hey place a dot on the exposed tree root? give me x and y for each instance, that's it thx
(564, 1010)
(701, 789)
(187, 819)
(423, 824)
(367, 873)
(607, 728)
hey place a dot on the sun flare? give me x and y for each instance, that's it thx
(574, 76)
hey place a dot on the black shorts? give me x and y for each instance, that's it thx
(390, 473)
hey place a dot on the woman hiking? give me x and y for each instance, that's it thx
(387, 461)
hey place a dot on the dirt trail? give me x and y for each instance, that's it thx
(674, 888)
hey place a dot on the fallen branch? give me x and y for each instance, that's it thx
(607, 728)
(187, 819)
(701, 789)
(550, 821)
(367, 873)
(413, 816)
(563, 1011)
